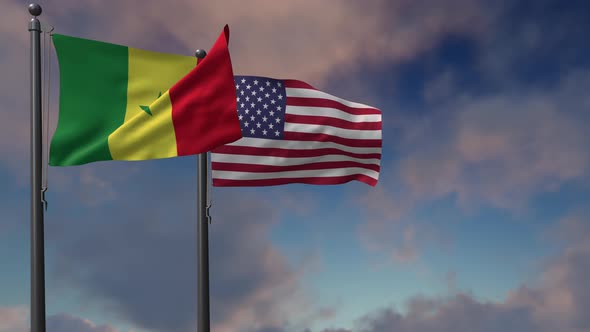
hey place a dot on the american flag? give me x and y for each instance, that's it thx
(294, 133)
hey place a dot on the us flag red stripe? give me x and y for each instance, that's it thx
(294, 133)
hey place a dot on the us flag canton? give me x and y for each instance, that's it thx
(261, 106)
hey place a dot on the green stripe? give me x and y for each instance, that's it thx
(93, 99)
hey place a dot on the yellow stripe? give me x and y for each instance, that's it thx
(144, 136)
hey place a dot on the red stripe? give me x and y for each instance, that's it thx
(319, 102)
(204, 103)
(286, 153)
(236, 167)
(328, 121)
(297, 84)
(308, 180)
(365, 143)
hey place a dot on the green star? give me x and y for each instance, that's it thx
(147, 108)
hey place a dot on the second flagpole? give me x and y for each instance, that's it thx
(203, 316)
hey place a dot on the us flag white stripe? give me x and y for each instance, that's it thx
(296, 174)
(332, 113)
(315, 94)
(298, 145)
(333, 131)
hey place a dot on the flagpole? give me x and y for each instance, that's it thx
(37, 237)
(203, 317)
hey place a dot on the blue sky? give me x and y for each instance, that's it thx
(479, 221)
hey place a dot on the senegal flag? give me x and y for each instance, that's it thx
(123, 103)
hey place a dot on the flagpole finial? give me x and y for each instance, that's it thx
(35, 9)
(200, 54)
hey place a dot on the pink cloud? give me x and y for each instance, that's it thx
(306, 39)
(16, 319)
(501, 150)
(69, 323)
(561, 295)
(496, 151)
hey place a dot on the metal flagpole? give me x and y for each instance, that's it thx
(37, 236)
(203, 324)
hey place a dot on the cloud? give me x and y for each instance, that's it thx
(458, 314)
(572, 228)
(16, 319)
(498, 151)
(493, 130)
(533, 44)
(138, 263)
(491, 146)
(255, 285)
(391, 226)
(503, 149)
(14, 65)
(288, 38)
(69, 323)
(561, 296)
(557, 299)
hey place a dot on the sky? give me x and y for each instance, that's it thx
(479, 222)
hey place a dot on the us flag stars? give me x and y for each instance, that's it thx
(261, 106)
